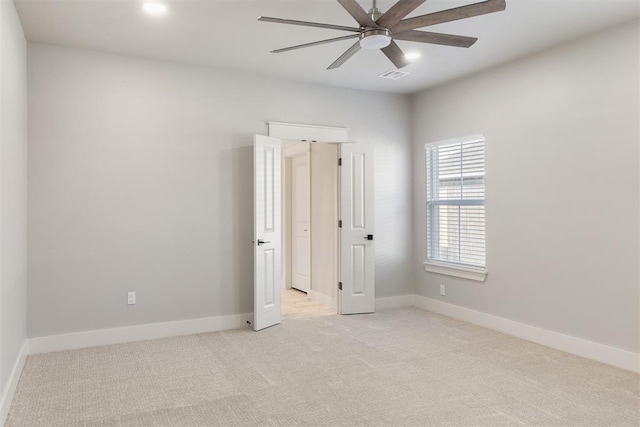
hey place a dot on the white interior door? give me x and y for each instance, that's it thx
(300, 223)
(267, 308)
(356, 234)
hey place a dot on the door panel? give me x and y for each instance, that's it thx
(357, 256)
(357, 177)
(267, 230)
(358, 260)
(269, 282)
(301, 222)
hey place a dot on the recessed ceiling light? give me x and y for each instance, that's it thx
(154, 8)
(412, 55)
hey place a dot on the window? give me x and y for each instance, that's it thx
(455, 207)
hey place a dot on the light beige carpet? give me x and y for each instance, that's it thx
(400, 367)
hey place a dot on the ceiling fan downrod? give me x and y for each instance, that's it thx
(374, 12)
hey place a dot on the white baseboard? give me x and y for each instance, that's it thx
(591, 350)
(100, 337)
(323, 299)
(399, 301)
(12, 383)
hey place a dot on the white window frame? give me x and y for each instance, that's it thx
(432, 266)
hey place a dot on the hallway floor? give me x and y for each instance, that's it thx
(296, 304)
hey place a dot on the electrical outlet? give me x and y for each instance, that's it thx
(443, 290)
(131, 298)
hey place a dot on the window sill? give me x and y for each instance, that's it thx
(448, 270)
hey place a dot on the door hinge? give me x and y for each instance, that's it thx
(339, 223)
(340, 161)
(340, 286)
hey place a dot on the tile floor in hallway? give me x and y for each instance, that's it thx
(297, 304)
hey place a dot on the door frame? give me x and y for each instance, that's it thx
(293, 132)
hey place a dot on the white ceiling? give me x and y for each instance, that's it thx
(225, 34)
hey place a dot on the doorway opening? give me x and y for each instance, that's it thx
(352, 237)
(310, 229)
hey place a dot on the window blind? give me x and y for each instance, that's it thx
(455, 203)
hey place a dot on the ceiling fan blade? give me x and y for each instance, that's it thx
(436, 38)
(396, 55)
(397, 12)
(308, 24)
(358, 13)
(300, 46)
(343, 58)
(449, 15)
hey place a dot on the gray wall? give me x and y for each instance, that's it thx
(140, 179)
(562, 200)
(13, 190)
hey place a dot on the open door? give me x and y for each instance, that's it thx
(301, 222)
(267, 308)
(357, 262)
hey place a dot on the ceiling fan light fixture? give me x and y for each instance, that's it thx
(375, 39)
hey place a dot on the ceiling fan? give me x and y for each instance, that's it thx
(378, 30)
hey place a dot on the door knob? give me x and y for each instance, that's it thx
(262, 242)
(369, 237)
